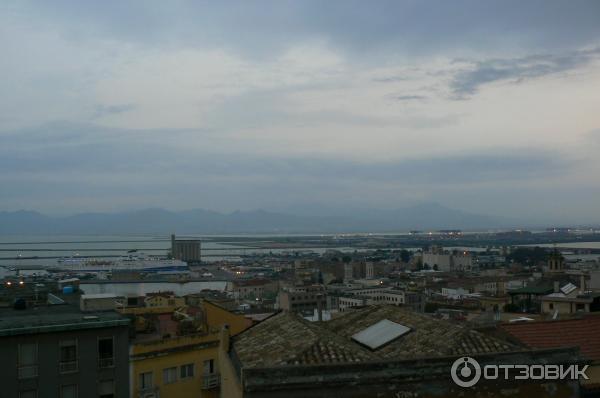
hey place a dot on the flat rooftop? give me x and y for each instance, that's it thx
(55, 318)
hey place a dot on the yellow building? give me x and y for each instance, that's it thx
(493, 303)
(164, 300)
(217, 316)
(183, 366)
(180, 367)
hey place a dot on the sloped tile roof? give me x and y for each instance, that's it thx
(428, 336)
(584, 333)
(287, 339)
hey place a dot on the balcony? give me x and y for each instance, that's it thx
(106, 362)
(148, 392)
(28, 371)
(67, 366)
(210, 381)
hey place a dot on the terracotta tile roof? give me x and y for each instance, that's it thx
(428, 336)
(330, 352)
(583, 333)
(287, 339)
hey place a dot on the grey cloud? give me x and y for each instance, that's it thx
(148, 151)
(269, 108)
(355, 26)
(593, 136)
(89, 167)
(467, 82)
(107, 110)
(410, 97)
(390, 79)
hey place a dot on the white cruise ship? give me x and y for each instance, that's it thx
(131, 262)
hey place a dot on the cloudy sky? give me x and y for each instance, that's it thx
(485, 106)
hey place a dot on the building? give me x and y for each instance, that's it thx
(163, 299)
(55, 350)
(217, 316)
(556, 262)
(187, 250)
(348, 272)
(438, 259)
(303, 298)
(100, 302)
(178, 366)
(369, 270)
(345, 302)
(176, 354)
(570, 299)
(582, 333)
(286, 355)
(254, 289)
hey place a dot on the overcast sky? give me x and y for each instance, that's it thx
(486, 106)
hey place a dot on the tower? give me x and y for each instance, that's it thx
(556, 262)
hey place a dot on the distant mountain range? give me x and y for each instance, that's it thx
(200, 221)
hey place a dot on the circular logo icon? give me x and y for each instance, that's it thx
(465, 372)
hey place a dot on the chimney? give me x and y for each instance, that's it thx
(556, 287)
(224, 338)
(582, 284)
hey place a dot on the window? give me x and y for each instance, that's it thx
(106, 389)
(28, 394)
(68, 356)
(209, 367)
(146, 380)
(186, 371)
(28, 366)
(105, 353)
(169, 375)
(68, 391)
(551, 306)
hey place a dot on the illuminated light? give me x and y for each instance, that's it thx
(21, 283)
(8, 283)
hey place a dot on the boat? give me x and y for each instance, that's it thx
(131, 262)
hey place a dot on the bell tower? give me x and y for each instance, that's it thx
(556, 262)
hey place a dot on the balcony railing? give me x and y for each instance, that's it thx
(106, 362)
(210, 381)
(28, 371)
(148, 392)
(67, 366)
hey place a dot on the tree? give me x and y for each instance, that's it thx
(528, 256)
(405, 255)
(511, 308)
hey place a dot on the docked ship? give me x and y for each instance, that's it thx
(131, 262)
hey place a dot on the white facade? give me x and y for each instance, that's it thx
(447, 262)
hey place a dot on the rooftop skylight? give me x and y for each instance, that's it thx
(380, 333)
